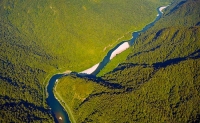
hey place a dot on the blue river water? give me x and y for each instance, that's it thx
(56, 108)
(58, 112)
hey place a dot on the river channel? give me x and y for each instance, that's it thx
(58, 112)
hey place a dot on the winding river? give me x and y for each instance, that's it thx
(58, 112)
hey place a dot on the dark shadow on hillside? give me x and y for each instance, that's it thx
(194, 55)
(127, 90)
(13, 103)
(177, 6)
(138, 53)
(127, 65)
(198, 24)
(159, 33)
(168, 62)
(9, 81)
(98, 80)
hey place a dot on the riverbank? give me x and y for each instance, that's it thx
(59, 114)
(90, 70)
(45, 83)
(162, 8)
(121, 48)
(53, 73)
(64, 105)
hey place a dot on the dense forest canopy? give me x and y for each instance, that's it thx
(158, 82)
(42, 38)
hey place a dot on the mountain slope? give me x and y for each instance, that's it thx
(42, 38)
(159, 81)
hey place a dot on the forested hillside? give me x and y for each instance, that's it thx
(158, 82)
(42, 38)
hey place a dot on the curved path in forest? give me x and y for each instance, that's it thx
(58, 112)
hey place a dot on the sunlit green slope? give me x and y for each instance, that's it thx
(159, 81)
(41, 38)
(79, 32)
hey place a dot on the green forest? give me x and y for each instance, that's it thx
(159, 81)
(41, 38)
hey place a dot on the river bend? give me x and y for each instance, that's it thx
(58, 112)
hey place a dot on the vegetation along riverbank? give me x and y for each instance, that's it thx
(158, 82)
